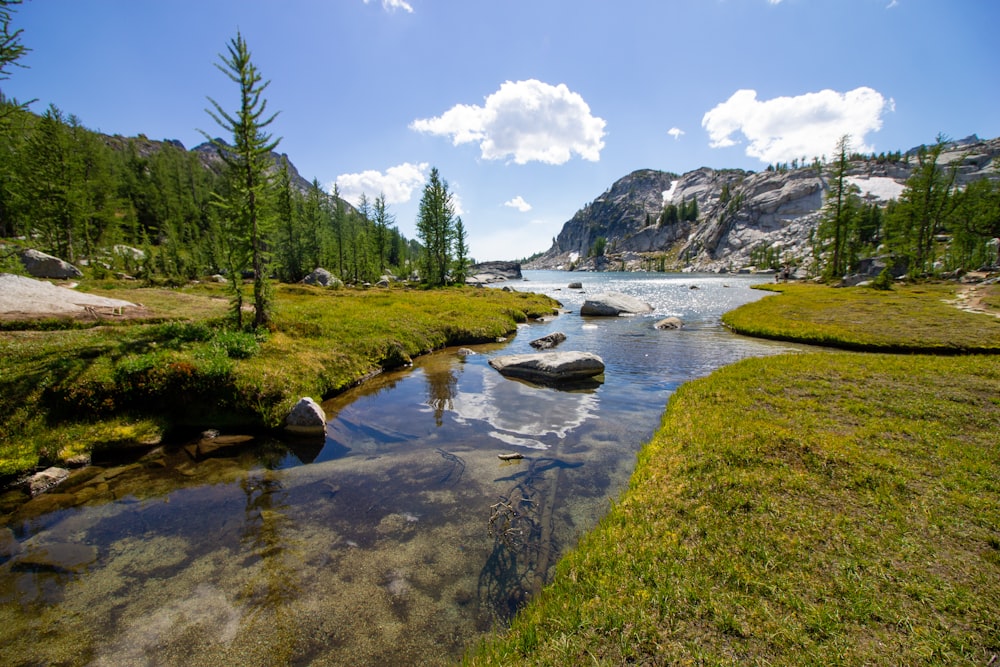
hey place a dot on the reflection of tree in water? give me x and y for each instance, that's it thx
(442, 386)
(521, 527)
(272, 587)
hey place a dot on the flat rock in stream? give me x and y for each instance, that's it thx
(550, 367)
(612, 304)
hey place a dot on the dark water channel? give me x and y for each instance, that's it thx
(399, 540)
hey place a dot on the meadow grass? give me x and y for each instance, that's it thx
(67, 391)
(916, 318)
(820, 508)
(823, 508)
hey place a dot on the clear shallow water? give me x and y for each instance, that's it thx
(401, 539)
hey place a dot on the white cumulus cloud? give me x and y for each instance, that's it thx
(393, 5)
(528, 121)
(675, 132)
(786, 128)
(518, 203)
(397, 183)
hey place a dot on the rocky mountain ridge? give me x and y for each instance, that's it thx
(205, 151)
(740, 213)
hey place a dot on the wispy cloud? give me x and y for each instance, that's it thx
(786, 128)
(393, 5)
(675, 132)
(396, 183)
(518, 203)
(528, 121)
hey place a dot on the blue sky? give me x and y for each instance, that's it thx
(529, 109)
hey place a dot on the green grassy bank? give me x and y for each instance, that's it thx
(916, 318)
(819, 508)
(65, 389)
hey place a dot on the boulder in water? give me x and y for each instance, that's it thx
(307, 417)
(612, 304)
(550, 367)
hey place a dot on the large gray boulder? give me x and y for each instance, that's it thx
(612, 304)
(322, 277)
(550, 367)
(307, 418)
(40, 265)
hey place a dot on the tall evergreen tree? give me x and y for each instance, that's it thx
(382, 219)
(461, 265)
(435, 227)
(923, 209)
(839, 211)
(247, 162)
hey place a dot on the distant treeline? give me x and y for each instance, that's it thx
(84, 196)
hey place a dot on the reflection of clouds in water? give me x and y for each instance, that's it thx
(515, 409)
(518, 442)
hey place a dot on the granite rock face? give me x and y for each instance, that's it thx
(739, 212)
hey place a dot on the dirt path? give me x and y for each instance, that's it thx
(971, 298)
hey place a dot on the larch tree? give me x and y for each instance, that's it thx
(383, 220)
(247, 161)
(839, 211)
(436, 228)
(461, 265)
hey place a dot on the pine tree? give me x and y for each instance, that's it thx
(247, 162)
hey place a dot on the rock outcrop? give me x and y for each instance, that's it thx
(493, 272)
(550, 367)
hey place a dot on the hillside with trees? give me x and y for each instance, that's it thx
(932, 211)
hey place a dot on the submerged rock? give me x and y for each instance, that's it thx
(612, 304)
(669, 323)
(307, 417)
(41, 482)
(549, 341)
(62, 558)
(548, 367)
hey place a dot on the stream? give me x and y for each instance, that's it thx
(400, 539)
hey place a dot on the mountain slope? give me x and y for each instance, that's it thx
(740, 213)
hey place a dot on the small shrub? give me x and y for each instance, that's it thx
(237, 344)
(883, 281)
